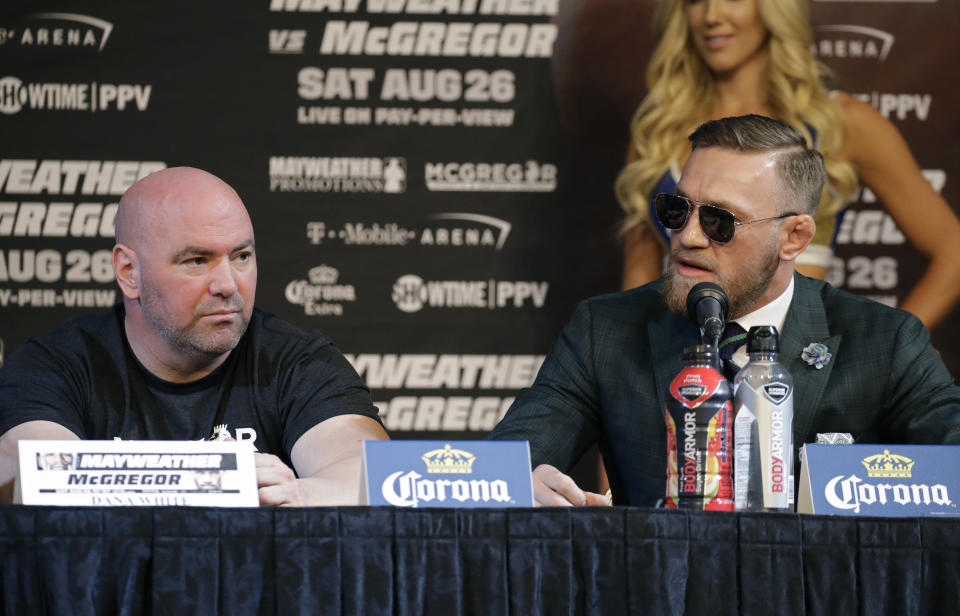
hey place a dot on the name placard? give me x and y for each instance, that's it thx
(880, 480)
(146, 473)
(446, 474)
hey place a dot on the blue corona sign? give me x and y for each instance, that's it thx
(880, 480)
(447, 474)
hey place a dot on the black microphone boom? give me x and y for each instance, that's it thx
(707, 306)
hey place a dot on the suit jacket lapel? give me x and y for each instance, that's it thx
(806, 323)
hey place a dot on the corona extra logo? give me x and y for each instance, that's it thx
(888, 464)
(449, 460)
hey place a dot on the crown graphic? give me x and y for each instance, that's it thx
(323, 274)
(888, 464)
(449, 460)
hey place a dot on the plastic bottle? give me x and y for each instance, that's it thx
(763, 427)
(699, 418)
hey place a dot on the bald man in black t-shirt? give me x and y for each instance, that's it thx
(187, 356)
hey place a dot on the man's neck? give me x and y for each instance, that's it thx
(781, 279)
(164, 363)
(772, 313)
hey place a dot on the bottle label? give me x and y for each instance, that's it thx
(693, 386)
(744, 435)
(769, 479)
(699, 418)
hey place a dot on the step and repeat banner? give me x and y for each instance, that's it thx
(430, 181)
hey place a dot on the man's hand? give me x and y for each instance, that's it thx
(9, 450)
(551, 488)
(276, 482)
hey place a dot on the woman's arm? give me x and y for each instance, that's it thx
(884, 163)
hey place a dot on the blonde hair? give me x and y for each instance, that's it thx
(681, 94)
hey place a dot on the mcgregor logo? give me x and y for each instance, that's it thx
(531, 176)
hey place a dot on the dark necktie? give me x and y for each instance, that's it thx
(733, 337)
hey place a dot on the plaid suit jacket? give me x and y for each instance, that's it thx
(605, 380)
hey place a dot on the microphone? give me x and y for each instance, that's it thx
(707, 306)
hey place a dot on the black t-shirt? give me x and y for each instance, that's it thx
(276, 384)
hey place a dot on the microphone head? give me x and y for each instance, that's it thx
(707, 306)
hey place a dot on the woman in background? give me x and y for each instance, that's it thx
(718, 58)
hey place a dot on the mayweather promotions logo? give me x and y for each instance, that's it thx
(338, 174)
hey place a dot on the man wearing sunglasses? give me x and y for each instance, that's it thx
(742, 213)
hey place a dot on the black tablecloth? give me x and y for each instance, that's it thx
(394, 561)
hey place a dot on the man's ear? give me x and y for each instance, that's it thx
(796, 233)
(126, 268)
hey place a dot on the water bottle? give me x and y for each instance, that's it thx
(763, 427)
(699, 418)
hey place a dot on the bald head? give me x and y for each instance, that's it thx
(168, 194)
(186, 263)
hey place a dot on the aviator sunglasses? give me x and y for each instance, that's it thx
(717, 223)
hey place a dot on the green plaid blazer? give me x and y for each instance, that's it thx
(605, 380)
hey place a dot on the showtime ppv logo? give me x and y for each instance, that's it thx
(411, 293)
(850, 41)
(495, 177)
(58, 30)
(900, 105)
(409, 489)
(15, 95)
(338, 174)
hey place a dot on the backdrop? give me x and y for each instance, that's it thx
(430, 180)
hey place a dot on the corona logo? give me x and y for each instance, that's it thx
(323, 274)
(410, 489)
(449, 460)
(888, 464)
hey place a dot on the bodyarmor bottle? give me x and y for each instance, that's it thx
(763, 427)
(699, 418)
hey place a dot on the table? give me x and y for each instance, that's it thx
(371, 560)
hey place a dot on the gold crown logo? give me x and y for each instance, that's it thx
(449, 460)
(323, 274)
(888, 464)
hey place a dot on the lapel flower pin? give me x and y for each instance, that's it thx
(816, 355)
